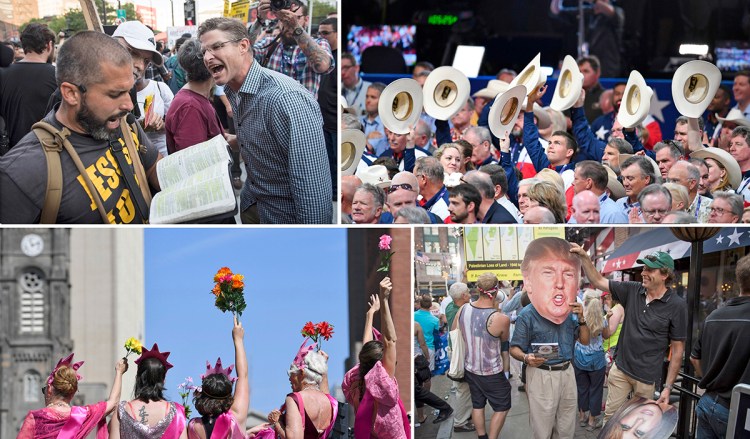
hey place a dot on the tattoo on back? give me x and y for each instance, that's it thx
(142, 413)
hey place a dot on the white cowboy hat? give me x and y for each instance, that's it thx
(616, 189)
(452, 180)
(735, 116)
(543, 119)
(727, 161)
(694, 84)
(531, 76)
(569, 85)
(376, 175)
(352, 147)
(494, 88)
(636, 101)
(657, 171)
(400, 105)
(505, 109)
(445, 91)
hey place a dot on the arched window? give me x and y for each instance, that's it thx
(31, 285)
(32, 386)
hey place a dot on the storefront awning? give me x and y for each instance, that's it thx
(640, 245)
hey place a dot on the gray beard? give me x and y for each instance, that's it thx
(93, 126)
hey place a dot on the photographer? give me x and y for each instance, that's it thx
(293, 51)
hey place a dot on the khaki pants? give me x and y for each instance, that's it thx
(553, 402)
(462, 404)
(619, 387)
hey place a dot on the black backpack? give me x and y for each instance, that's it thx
(422, 371)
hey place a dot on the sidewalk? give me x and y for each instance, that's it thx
(516, 423)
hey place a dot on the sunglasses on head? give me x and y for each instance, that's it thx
(404, 186)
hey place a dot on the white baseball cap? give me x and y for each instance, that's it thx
(140, 37)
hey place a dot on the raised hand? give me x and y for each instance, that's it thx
(122, 366)
(385, 288)
(373, 304)
(238, 332)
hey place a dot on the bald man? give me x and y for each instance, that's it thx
(403, 192)
(539, 215)
(585, 208)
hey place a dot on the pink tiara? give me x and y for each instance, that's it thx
(67, 361)
(154, 353)
(299, 359)
(218, 369)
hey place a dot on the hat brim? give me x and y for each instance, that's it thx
(368, 176)
(569, 85)
(694, 85)
(400, 105)
(454, 88)
(654, 165)
(352, 146)
(636, 101)
(730, 164)
(736, 117)
(650, 264)
(613, 184)
(531, 76)
(156, 57)
(501, 119)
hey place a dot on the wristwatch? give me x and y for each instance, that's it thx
(297, 31)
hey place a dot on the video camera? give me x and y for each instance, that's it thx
(278, 5)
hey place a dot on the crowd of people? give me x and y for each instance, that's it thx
(222, 400)
(271, 93)
(572, 339)
(575, 166)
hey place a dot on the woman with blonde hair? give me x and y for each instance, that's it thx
(590, 363)
(451, 156)
(718, 177)
(680, 197)
(59, 419)
(548, 195)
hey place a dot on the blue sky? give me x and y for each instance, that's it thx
(291, 276)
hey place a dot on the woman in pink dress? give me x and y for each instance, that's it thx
(223, 415)
(58, 419)
(149, 415)
(370, 386)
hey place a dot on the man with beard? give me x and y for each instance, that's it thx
(279, 131)
(95, 75)
(25, 87)
(464, 204)
(293, 51)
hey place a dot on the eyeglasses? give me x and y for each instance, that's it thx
(404, 186)
(717, 210)
(346, 67)
(80, 87)
(325, 33)
(216, 46)
(653, 213)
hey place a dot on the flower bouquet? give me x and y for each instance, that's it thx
(184, 390)
(318, 330)
(228, 291)
(385, 253)
(133, 345)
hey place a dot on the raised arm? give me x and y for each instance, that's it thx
(614, 318)
(597, 280)
(242, 390)
(389, 330)
(373, 307)
(318, 53)
(114, 395)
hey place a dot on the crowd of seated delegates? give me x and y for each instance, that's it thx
(554, 167)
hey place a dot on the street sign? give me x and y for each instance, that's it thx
(121, 15)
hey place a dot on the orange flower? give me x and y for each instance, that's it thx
(237, 284)
(223, 271)
(216, 290)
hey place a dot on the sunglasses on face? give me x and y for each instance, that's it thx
(404, 186)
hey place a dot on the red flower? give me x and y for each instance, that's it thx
(309, 330)
(325, 330)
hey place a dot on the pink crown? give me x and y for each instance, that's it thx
(299, 359)
(218, 369)
(67, 361)
(154, 353)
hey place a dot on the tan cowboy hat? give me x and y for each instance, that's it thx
(494, 88)
(505, 109)
(445, 91)
(735, 116)
(636, 101)
(694, 84)
(400, 105)
(727, 161)
(376, 175)
(352, 147)
(569, 85)
(531, 76)
(616, 189)
(657, 171)
(543, 119)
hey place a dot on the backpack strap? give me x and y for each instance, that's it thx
(53, 141)
(133, 151)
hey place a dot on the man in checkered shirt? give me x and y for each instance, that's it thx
(279, 131)
(293, 52)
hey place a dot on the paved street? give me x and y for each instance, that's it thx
(516, 424)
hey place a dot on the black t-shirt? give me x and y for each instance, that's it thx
(724, 347)
(23, 181)
(328, 98)
(25, 88)
(647, 329)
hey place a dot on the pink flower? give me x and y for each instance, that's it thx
(385, 242)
